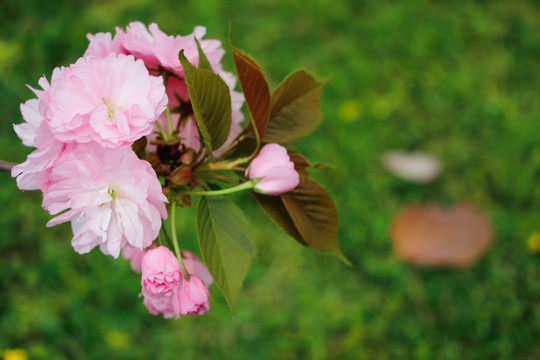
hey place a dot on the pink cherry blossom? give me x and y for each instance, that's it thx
(159, 50)
(168, 306)
(196, 267)
(112, 198)
(103, 44)
(161, 272)
(275, 169)
(112, 101)
(135, 256)
(193, 297)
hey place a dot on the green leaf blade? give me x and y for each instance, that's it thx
(294, 108)
(204, 64)
(225, 245)
(211, 102)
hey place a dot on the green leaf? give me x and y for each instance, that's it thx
(314, 214)
(244, 148)
(274, 208)
(204, 64)
(211, 101)
(255, 87)
(294, 108)
(225, 244)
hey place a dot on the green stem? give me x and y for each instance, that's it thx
(161, 131)
(224, 165)
(257, 138)
(231, 147)
(165, 234)
(244, 186)
(169, 122)
(175, 241)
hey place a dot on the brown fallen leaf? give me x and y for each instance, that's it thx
(438, 237)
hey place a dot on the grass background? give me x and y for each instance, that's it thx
(459, 80)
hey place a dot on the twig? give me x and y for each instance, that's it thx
(6, 166)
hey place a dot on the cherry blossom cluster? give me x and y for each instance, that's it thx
(169, 291)
(102, 165)
(83, 124)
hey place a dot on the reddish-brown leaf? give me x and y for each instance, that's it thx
(438, 237)
(313, 213)
(274, 208)
(255, 87)
(300, 162)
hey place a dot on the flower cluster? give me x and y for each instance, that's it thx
(83, 124)
(142, 122)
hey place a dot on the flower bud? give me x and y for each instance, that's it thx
(275, 170)
(161, 272)
(193, 297)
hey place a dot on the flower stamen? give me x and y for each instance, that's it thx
(111, 108)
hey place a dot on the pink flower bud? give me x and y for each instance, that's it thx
(196, 267)
(193, 297)
(275, 169)
(161, 272)
(166, 305)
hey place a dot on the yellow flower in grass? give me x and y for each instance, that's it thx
(533, 242)
(349, 110)
(15, 354)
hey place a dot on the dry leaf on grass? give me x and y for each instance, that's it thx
(438, 237)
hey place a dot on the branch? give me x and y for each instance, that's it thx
(6, 166)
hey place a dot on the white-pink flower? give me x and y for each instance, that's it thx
(275, 170)
(415, 166)
(112, 101)
(112, 198)
(34, 172)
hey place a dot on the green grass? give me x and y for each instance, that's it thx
(460, 81)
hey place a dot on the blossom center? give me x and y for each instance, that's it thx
(113, 193)
(111, 108)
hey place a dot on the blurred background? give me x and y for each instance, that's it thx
(459, 81)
